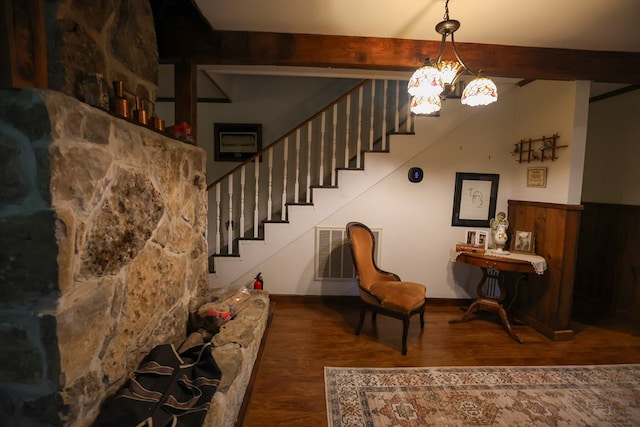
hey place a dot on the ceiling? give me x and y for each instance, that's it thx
(609, 25)
(510, 39)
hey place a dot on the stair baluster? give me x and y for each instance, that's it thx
(256, 206)
(230, 221)
(359, 138)
(334, 160)
(384, 116)
(269, 198)
(322, 136)
(372, 123)
(243, 179)
(285, 168)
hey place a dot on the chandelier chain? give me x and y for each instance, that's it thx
(446, 11)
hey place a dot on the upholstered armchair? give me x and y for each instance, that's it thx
(381, 291)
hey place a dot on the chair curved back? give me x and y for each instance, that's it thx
(382, 291)
(362, 242)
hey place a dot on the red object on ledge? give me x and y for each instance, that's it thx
(182, 132)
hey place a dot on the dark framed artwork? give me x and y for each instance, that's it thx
(236, 142)
(474, 199)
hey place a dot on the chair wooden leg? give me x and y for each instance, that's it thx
(405, 332)
(363, 312)
(422, 318)
(374, 316)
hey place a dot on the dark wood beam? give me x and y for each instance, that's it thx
(186, 95)
(261, 48)
(183, 33)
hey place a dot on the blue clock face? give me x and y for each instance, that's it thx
(416, 174)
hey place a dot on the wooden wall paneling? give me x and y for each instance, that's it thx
(592, 255)
(627, 266)
(608, 260)
(546, 301)
(23, 47)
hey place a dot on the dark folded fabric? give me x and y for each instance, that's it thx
(168, 389)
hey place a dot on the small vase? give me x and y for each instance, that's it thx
(500, 238)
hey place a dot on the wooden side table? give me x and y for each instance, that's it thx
(493, 275)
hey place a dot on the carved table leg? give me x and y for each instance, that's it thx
(492, 303)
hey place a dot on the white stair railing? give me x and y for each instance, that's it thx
(261, 189)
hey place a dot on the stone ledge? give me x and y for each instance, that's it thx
(236, 347)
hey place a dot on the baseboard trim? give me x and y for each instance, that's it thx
(434, 302)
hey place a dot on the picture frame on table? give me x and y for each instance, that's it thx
(236, 142)
(474, 199)
(482, 239)
(471, 237)
(477, 238)
(522, 241)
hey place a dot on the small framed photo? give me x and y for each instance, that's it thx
(522, 241)
(537, 177)
(476, 238)
(482, 239)
(471, 237)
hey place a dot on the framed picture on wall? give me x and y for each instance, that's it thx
(236, 142)
(474, 199)
(537, 177)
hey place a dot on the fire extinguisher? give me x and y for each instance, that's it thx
(258, 282)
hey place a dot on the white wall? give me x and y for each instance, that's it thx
(417, 236)
(278, 103)
(613, 141)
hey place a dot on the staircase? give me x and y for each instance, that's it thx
(294, 183)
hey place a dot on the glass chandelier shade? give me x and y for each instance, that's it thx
(425, 81)
(480, 91)
(449, 71)
(437, 78)
(426, 104)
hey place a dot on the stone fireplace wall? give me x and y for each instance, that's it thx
(102, 222)
(103, 254)
(115, 38)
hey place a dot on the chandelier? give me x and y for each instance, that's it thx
(436, 79)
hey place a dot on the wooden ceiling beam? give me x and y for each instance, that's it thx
(186, 35)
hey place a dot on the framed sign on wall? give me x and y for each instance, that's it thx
(236, 142)
(537, 177)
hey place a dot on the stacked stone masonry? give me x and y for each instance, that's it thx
(103, 253)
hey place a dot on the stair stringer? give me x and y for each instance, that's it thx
(326, 201)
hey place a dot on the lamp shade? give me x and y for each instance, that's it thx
(426, 104)
(449, 71)
(425, 81)
(480, 91)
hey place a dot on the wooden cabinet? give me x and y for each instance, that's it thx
(545, 302)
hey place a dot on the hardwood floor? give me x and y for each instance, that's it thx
(308, 333)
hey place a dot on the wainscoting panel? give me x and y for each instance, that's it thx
(545, 301)
(608, 266)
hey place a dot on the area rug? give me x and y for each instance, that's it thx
(603, 395)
